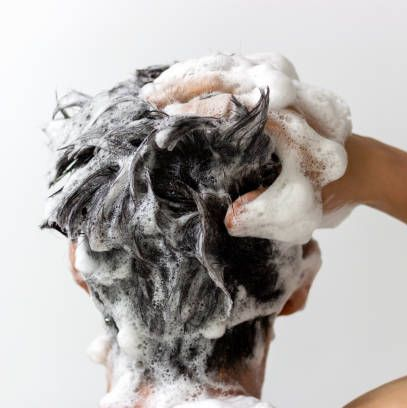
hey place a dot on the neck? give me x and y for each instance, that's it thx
(228, 384)
(245, 379)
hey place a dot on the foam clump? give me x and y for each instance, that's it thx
(309, 126)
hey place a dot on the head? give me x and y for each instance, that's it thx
(143, 196)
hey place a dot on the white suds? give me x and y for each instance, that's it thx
(127, 339)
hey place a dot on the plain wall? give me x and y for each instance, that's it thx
(353, 334)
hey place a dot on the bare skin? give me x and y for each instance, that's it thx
(390, 395)
(376, 176)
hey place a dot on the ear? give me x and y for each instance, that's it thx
(75, 273)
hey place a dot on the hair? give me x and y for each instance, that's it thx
(145, 195)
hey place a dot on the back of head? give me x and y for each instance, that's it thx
(144, 194)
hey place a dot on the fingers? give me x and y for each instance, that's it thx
(297, 301)
(238, 207)
(309, 248)
(182, 91)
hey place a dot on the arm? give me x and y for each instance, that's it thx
(376, 176)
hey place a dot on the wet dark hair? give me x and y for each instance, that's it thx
(159, 209)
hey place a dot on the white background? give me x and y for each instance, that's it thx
(353, 334)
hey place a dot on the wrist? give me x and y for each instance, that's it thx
(353, 188)
(363, 170)
(382, 176)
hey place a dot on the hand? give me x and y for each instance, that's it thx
(376, 176)
(311, 250)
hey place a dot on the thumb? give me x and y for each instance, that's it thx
(238, 207)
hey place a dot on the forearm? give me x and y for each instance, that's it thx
(386, 172)
(376, 176)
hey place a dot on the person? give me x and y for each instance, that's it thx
(145, 198)
(142, 195)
